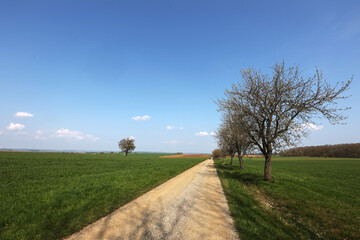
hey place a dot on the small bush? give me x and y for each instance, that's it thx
(216, 154)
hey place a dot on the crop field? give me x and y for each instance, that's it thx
(310, 198)
(51, 195)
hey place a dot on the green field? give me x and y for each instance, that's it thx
(51, 195)
(313, 198)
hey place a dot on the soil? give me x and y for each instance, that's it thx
(187, 156)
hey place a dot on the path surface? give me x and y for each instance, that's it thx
(191, 205)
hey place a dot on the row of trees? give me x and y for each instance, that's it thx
(270, 112)
(231, 137)
(338, 150)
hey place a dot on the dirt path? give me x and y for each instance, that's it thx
(189, 206)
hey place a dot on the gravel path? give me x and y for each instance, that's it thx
(191, 205)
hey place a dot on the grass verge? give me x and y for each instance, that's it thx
(309, 199)
(52, 195)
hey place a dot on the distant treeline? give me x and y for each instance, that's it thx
(339, 150)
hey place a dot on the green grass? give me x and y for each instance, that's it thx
(51, 195)
(318, 199)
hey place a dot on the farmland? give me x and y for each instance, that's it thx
(310, 198)
(51, 195)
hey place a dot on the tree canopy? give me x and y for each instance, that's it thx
(127, 145)
(217, 154)
(275, 108)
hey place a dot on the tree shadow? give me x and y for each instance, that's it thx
(253, 220)
(234, 172)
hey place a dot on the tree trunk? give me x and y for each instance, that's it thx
(232, 159)
(241, 162)
(267, 170)
(126, 152)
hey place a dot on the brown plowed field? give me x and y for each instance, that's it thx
(204, 156)
(187, 156)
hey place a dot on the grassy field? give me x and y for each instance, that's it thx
(312, 198)
(51, 195)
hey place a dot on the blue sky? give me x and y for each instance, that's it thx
(86, 69)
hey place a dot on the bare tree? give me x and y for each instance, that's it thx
(276, 109)
(127, 145)
(225, 142)
(232, 137)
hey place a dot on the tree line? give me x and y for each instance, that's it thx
(338, 150)
(270, 112)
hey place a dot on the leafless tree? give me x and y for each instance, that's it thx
(231, 136)
(127, 145)
(225, 142)
(276, 108)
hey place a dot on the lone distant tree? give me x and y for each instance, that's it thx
(127, 145)
(276, 109)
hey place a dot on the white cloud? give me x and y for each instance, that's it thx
(1, 132)
(15, 126)
(22, 133)
(212, 133)
(171, 142)
(40, 134)
(141, 118)
(202, 134)
(181, 128)
(170, 127)
(312, 126)
(23, 114)
(307, 126)
(132, 137)
(66, 133)
(91, 137)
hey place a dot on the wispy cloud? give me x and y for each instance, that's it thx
(1, 132)
(205, 134)
(312, 126)
(132, 137)
(170, 127)
(202, 134)
(40, 134)
(91, 137)
(141, 118)
(308, 126)
(23, 114)
(181, 128)
(171, 142)
(15, 126)
(66, 133)
(22, 133)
